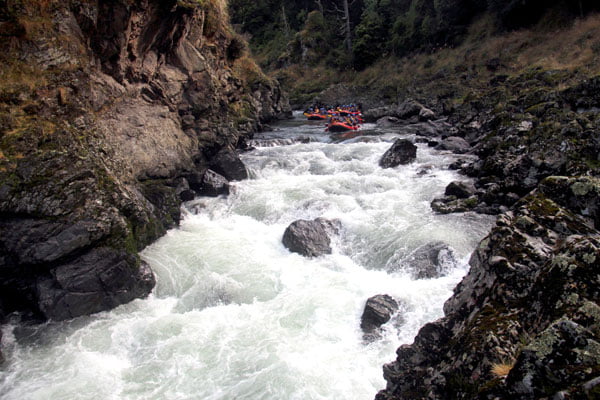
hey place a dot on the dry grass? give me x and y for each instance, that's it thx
(502, 369)
(246, 69)
(17, 75)
(575, 48)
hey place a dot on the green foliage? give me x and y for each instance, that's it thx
(299, 32)
(369, 43)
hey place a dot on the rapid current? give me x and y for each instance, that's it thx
(235, 315)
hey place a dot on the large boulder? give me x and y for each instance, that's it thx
(375, 114)
(425, 114)
(310, 238)
(387, 122)
(581, 194)
(408, 108)
(378, 310)
(460, 189)
(402, 152)
(455, 144)
(431, 260)
(98, 281)
(228, 164)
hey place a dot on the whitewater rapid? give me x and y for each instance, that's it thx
(235, 315)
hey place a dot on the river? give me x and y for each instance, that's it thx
(235, 315)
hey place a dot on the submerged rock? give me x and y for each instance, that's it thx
(402, 152)
(431, 260)
(310, 238)
(378, 310)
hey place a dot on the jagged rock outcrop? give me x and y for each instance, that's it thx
(100, 132)
(310, 238)
(524, 321)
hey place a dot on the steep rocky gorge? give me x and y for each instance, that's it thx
(109, 111)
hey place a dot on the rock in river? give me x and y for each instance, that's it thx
(310, 238)
(431, 260)
(228, 164)
(402, 152)
(378, 310)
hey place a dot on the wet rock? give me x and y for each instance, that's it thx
(460, 189)
(97, 281)
(183, 190)
(378, 310)
(455, 144)
(310, 238)
(213, 184)
(431, 260)
(228, 164)
(402, 152)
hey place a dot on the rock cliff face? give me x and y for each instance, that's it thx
(106, 108)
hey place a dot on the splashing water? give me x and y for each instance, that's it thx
(235, 315)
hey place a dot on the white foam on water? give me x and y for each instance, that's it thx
(235, 315)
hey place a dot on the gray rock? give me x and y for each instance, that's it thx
(402, 152)
(455, 144)
(408, 108)
(97, 281)
(310, 238)
(431, 260)
(213, 184)
(378, 310)
(452, 204)
(387, 122)
(228, 164)
(375, 114)
(425, 114)
(460, 189)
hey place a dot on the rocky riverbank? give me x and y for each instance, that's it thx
(110, 115)
(524, 321)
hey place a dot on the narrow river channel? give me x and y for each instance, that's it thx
(235, 315)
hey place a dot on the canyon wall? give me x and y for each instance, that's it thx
(109, 111)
